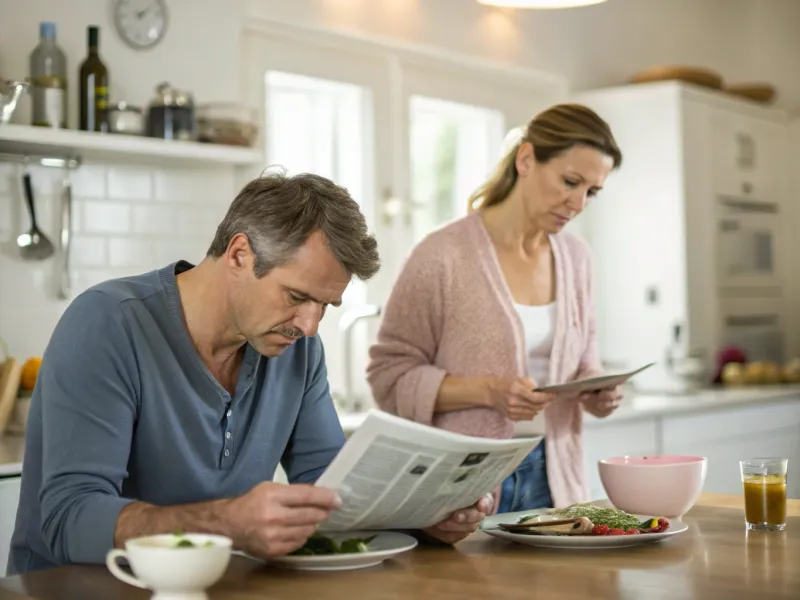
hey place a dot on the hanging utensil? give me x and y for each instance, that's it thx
(33, 245)
(10, 93)
(66, 231)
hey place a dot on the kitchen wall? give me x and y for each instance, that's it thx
(200, 52)
(592, 46)
(125, 220)
(164, 214)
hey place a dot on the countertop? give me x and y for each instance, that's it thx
(11, 448)
(648, 406)
(714, 558)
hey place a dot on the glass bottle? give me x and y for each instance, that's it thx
(48, 77)
(93, 87)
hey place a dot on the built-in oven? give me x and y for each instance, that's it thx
(747, 244)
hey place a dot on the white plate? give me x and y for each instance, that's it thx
(589, 542)
(386, 544)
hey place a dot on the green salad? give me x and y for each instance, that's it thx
(321, 544)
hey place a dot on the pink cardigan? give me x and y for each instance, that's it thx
(450, 312)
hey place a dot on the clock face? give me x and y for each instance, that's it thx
(141, 23)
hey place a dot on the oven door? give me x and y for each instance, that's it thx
(747, 244)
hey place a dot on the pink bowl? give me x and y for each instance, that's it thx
(658, 486)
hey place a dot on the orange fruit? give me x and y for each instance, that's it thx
(30, 371)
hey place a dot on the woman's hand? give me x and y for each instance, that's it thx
(602, 403)
(515, 397)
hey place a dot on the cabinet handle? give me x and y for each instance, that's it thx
(747, 187)
(747, 151)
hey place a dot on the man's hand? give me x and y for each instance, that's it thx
(602, 403)
(275, 519)
(462, 522)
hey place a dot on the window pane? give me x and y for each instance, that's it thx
(453, 149)
(322, 126)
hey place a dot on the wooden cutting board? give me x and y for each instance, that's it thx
(10, 373)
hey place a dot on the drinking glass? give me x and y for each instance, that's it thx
(764, 481)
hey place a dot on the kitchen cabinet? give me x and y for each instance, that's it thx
(9, 498)
(695, 222)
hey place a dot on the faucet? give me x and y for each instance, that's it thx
(346, 325)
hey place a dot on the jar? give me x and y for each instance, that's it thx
(123, 118)
(170, 115)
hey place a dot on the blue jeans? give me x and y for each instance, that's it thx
(527, 488)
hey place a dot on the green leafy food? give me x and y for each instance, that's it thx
(320, 544)
(184, 543)
(612, 517)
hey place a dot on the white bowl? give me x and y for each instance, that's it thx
(661, 486)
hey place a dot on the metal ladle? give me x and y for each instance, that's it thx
(33, 245)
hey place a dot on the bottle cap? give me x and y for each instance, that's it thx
(94, 36)
(47, 30)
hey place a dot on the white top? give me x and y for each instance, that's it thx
(539, 325)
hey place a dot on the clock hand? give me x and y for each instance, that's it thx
(141, 13)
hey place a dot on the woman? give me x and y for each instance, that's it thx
(499, 302)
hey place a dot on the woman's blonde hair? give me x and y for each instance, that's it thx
(551, 133)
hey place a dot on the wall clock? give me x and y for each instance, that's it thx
(141, 23)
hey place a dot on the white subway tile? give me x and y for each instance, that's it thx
(130, 183)
(89, 181)
(186, 248)
(177, 185)
(128, 252)
(88, 251)
(8, 177)
(201, 222)
(7, 215)
(153, 219)
(199, 187)
(104, 217)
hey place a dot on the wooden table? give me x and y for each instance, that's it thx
(716, 558)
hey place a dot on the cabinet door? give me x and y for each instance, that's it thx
(9, 498)
(746, 156)
(727, 436)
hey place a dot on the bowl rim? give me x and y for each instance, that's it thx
(693, 461)
(218, 541)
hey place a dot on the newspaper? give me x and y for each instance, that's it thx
(393, 473)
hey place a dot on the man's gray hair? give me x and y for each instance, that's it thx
(278, 213)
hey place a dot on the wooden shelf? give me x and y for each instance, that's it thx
(107, 147)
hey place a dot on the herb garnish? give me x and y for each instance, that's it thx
(614, 518)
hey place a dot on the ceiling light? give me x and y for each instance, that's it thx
(540, 4)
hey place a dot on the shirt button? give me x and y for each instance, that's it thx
(227, 435)
(229, 412)
(227, 452)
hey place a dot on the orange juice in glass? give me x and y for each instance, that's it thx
(764, 481)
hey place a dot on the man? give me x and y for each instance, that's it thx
(166, 400)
